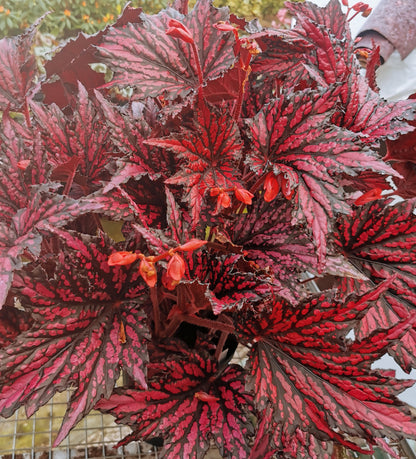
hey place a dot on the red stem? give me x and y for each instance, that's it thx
(156, 311)
(27, 114)
(198, 64)
(237, 108)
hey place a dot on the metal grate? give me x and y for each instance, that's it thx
(94, 437)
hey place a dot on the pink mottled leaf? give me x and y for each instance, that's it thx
(189, 403)
(18, 69)
(86, 327)
(292, 136)
(319, 385)
(209, 153)
(380, 240)
(274, 244)
(164, 64)
(83, 134)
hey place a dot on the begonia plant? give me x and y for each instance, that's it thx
(156, 222)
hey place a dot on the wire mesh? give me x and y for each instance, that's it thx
(94, 437)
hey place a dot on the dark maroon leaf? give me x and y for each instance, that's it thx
(282, 56)
(164, 64)
(317, 383)
(380, 240)
(209, 152)
(274, 244)
(292, 137)
(189, 404)
(87, 325)
(18, 69)
(230, 286)
(13, 321)
(72, 64)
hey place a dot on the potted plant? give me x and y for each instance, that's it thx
(154, 221)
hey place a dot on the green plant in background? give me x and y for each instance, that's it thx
(67, 18)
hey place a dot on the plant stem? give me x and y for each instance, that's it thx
(239, 103)
(27, 114)
(198, 65)
(156, 311)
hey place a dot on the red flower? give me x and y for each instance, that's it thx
(371, 195)
(148, 271)
(360, 7)
(122, 258)
(178, 30)
(176, 267)
(223, 200)
(193, 244)
(23, 164)
(243, 195)
(226, 27)
(271, 187)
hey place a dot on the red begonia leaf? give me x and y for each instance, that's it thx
(330, 16)
(380, 240)
(164, 64)
(83, 134)
(189, 403)
(128, 136)
(331, 60)
(317, 383)
(18, 144)
(364, 112)
(18, 69)
(270, 240)
(87, 325)
(282, 56)
(13, 321)
(209, 154)
(230, 286)
(292, 137)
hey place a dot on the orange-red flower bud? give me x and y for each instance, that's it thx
(122, 258)
(176, 267)
(193, 244)
(223, 200)
(180, 33)
(175, 23)
(215, 191)
(243, 195)
(271, 187)
(148, 271)
(360, 7)
(371, 195)
(22, 165)
(204, 397)
(345, 2)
